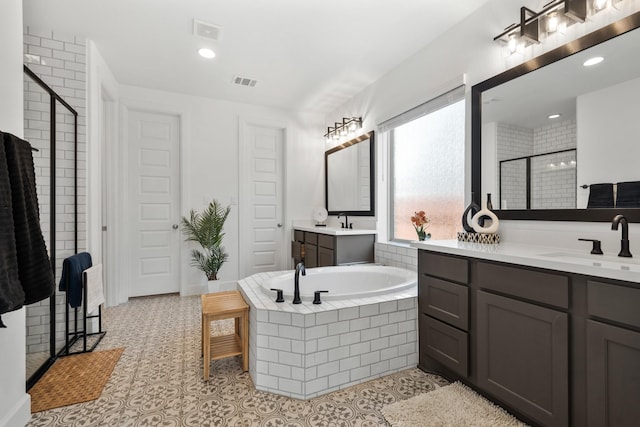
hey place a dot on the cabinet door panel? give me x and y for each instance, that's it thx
(613, 375)
(445, 301)
(325, 257)
(310, 255)
(523, 357)
(445, 344)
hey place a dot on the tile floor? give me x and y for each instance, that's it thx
(158, 381)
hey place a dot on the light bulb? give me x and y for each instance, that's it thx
(207, 53)
(512, 44)
(552, 22)
(600, 4)
(593, 61)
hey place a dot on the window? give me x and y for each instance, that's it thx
(427, 146)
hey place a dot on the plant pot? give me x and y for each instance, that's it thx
(214, 286)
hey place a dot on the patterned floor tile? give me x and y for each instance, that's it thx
(158, 381)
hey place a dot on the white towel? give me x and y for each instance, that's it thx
(95, 293)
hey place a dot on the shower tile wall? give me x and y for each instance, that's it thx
(396, 256)
(551, 187)
(60, 61)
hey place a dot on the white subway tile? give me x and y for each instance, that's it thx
(380, 343)
(397, 316)
(360, 373)
(279, 370)
(349, 338)
(309, 320)
(311, 346)
(316, 385)
(316, 332)
(298, 346)
(407, 303)
(389, 306)
(407, 326)
(311, 373)
(297, 374)
(379, 320)
(328, 368)
(278, 343)
(261, 340)
(290, 359)
(348, 313)
(388, 353)
(359, 324)
(280, 317)
(370, 358)
(349, 363)
(338, 327)
(407, 348)
(338, 379)
(396, 340)
(398, 363)
(360, 348)
(291, 386)
(291, 332)
(370, 334)
(325, 317)
(267, 381)
(338, 353)
(328, 342)
(369, 310)
(390, 329)
(270, 329)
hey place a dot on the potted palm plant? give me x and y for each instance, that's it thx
(206, 229)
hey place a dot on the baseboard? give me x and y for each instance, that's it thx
(20, 413)
(194, 289)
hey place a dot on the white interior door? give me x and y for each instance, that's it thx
(262, 201)
(153, 203)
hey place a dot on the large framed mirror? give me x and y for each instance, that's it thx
(579, 166)
(350, 177)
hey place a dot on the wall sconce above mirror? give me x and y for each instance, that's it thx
(555, 17)
(350, 177)
(348, 128)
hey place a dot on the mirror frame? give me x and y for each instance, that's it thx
(372, 174)
(603, 34)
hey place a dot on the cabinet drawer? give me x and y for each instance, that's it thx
(326, 241)
(445, 301)
(444, 266)
(310, 238)
(547, 288)
(298, 235)
(613, 302)
(445, 344)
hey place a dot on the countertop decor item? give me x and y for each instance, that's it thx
(320, 216)
(471, 209)
(206, 229)
(420, 222)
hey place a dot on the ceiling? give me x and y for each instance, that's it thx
(308, 55)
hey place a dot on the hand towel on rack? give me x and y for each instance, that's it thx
(11, 293)
(628, 194)
(34, 266)
(600, 196)
(71, 279)
(93, 283)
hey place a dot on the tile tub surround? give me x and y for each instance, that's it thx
(307, 350)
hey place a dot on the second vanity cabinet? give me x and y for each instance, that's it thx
(322, 250)
(554, 348)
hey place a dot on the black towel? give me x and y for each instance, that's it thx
(71, 280)
(34, 267)
(628, 195)
(11, 293)
(600, 196)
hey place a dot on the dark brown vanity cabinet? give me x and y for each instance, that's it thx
(321, 250)
(613, 355)
(443, 301)
(554, 348)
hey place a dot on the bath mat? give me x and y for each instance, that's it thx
(74, 379)
(449, 406)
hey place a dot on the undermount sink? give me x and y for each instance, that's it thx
(610, 261)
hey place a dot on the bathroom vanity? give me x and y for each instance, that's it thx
(552, 336)
(326, 246)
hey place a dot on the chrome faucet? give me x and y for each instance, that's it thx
(624, 249)
(345, 224)
(296, 289)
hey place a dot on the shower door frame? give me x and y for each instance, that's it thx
(53, 97)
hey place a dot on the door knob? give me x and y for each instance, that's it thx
(279, 225)
(174, 226)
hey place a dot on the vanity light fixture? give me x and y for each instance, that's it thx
(555, 16)
(349, 126)
(593, 61)
(207, 53)
(554, 116)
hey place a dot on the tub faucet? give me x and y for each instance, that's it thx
(624, 249)
(296, 289)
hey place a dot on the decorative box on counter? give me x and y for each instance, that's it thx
(489, 238)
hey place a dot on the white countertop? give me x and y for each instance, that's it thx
(335, 231)
(607, 266)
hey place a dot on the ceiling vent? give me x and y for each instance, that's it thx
(206, 30)
(244, 81)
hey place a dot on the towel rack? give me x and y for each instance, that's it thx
(72, 337)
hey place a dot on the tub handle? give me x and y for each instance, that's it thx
(316, 296)
(279, 296)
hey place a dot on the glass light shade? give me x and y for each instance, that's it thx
(207, 53)
(598, 5)
(552, 22)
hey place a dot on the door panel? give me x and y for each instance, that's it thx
(153, 203)
(263, 199)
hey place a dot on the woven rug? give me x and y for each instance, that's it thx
(453, 405)
(74, 379)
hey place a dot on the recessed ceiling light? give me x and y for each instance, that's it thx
(207, 53)
(554, 116)
(593, 61)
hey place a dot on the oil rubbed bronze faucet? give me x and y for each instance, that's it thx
(624, 248)
(296, 283)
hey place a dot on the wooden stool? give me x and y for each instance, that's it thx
(219, 306)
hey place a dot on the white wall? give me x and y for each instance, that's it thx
(15, 403)
(466, 49)
(210, 149)
(608, 132)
